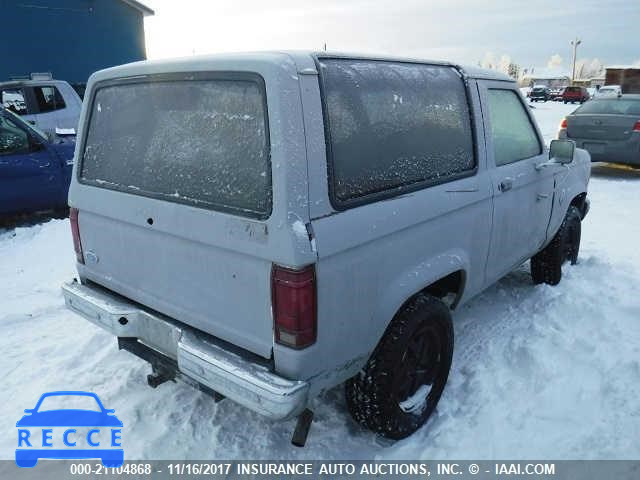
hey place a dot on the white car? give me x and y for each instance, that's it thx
(608, 90)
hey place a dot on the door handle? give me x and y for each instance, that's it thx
(505, 184)
(542, 196)
(45, 165)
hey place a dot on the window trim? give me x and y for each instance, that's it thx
(388, 193)
(525, 109)
(246, 76)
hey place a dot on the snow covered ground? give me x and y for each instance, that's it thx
(539, 372)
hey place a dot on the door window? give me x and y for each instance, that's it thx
(514, 137)
(48, 98)
(12, 138)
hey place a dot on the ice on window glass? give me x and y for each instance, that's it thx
(202, 142)
(395, 124)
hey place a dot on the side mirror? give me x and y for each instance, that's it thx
(35, 144)
(561, 151)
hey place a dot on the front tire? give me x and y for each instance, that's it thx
(399, 387)
(546, 265)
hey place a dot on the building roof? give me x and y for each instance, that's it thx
(146, 11)
(546, 73)
(623, 67)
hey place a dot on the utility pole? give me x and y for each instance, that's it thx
(574, 44)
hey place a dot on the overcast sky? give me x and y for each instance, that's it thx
(465, 31)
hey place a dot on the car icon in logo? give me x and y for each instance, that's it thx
(68, 431)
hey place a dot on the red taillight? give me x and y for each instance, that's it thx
(563, 123)
(75, 233)
(636, 127)
(294, 306)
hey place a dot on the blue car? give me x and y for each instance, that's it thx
(35, 169)
(36, 435)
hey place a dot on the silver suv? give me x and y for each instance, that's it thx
(52, 106)
(268, 226)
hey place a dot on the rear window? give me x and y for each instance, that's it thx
(613, 106)
(572, 89)
(202, 142)
(393, 127)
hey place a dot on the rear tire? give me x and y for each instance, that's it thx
(546, 265)
(399, 387)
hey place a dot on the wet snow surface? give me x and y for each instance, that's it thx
(538, 372)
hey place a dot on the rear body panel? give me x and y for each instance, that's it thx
(206, 268)
(373, 257)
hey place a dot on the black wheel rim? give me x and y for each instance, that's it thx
(423, 363)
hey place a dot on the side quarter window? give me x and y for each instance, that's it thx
(48, 98)
(393, 127)
(514, 137)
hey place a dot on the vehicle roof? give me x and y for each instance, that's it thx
(200, 60)
(469, 70)
(624, 96)
(26, 83)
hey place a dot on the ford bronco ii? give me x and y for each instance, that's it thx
(267, 226)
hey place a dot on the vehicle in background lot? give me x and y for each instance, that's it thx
(575, 94)
(540, 94)
(307, 224)
(608, 128)
(49, 105)
(608, 91)
(35, 168)
(556, 94)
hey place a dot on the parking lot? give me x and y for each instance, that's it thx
(538, 372)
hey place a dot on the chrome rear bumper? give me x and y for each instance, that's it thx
(245, 382)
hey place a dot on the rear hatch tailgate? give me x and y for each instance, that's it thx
(173, 183)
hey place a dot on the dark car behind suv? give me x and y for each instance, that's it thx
(575, 94)
(540, 94)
